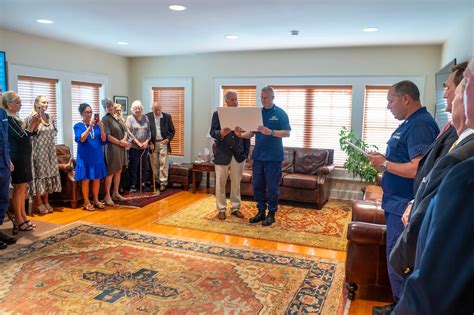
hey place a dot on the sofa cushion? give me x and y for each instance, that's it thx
(287, 165)
(304, 181)
(308, 161)
(246, 176)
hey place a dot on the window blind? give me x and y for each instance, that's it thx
(83, 92)
(171, 100)
(31, 87)
(316, 113)
(379, 123)
(247, 95)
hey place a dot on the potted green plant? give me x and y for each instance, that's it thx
(357, 164)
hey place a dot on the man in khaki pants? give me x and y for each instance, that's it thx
(162, 132)
(229, 158)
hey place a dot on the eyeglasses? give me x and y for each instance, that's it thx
(87, 112)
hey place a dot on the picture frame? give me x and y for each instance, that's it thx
(122, 100)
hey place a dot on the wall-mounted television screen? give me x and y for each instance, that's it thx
(3, 71)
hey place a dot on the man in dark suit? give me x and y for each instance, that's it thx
(448, 134)
(230, 153)
(443, 279)
(162, 132)
(402, 257)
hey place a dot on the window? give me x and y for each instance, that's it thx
(171, 100)
(379, 123)
(316, 114)
(31, 87)
(247, 95)
(83, 92)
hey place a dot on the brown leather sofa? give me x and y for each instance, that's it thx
(71, 190)
(305, 175)
(366, 263)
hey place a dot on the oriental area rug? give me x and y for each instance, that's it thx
(93, 269)
(295, 224)
(143, 199)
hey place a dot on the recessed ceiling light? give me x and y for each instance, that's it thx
(294, 32)
(177, 7)
(231, 36)
(370, 29)
(44, 21)
(122, 43)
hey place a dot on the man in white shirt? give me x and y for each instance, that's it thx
(162, 132)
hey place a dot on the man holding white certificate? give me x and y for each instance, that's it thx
(230, 153)
(267, 157)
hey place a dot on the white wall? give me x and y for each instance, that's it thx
(204, 68)
(50, 54)
(460, 44)
(42, 57)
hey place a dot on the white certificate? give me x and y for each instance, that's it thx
(247, 118)
(357, 148)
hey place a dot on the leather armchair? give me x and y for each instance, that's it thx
(71, 189)
(366, 263)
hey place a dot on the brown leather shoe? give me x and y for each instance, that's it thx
(221, 216)
(238, 214)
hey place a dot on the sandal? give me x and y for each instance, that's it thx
(25, 227)
(30, 223)
(49, 207)
(88, 207)
(100, 205)
(118, 197)
(42, 209)
(109, 202)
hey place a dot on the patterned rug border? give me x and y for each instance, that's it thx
(168, 215)
(300, 261)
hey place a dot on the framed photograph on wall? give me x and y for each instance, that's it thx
(122, 100)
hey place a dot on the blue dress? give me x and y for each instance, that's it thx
(90, 157)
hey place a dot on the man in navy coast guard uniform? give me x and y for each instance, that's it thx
(267, 157)
(406, 147)
(5, 167)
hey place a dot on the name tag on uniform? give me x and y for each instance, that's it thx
(6, 119)
(396, 135)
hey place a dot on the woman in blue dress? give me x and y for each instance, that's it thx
(90, 136)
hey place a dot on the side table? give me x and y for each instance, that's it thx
(206, 167)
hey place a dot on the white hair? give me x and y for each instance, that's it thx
(137, 103)
(228, 92)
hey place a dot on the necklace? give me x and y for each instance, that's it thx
(92, 133)
(44, 123)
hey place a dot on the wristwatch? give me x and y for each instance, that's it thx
(384, 166)
(273, 132)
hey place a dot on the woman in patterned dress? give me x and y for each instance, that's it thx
(90, 166)
(20, 156)
(115, 154)
(46, 178)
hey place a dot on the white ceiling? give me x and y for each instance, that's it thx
(152, 29)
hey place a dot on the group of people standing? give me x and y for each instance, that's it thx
(135, 135)
(428, 202)
(28, 157)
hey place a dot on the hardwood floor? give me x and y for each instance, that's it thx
(142, 219)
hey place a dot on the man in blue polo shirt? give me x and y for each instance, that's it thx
(267, 157)
(406, 147)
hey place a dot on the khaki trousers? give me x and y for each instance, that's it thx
(235, 170)
(161, 163)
